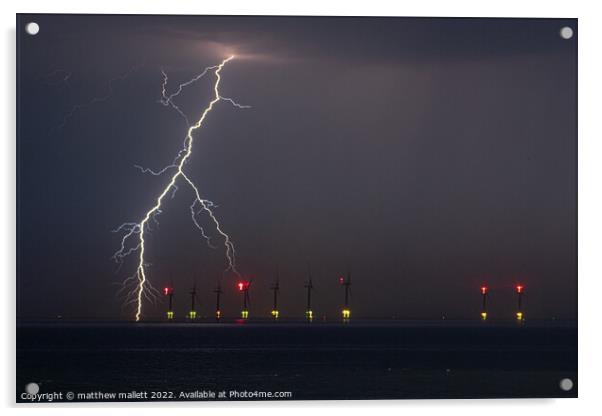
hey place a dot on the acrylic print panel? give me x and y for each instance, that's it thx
(293, 208)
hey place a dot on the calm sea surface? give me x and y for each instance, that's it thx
(358, 360)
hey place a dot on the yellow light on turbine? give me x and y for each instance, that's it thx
(192, 314)
(484, 316)
(346, 313)
(244, 314)
(275, 314)
(309, 314)
(519, 316)
(170, 315)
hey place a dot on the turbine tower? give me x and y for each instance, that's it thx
(168, 291)
(243, 286)
(520, 289)
(276, 288)
(346, 283)
(484, 292)
(218, 292)
(309, 314)
(192, 313)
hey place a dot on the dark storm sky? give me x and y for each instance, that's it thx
(427, 156)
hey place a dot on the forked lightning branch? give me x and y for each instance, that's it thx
(139, 288)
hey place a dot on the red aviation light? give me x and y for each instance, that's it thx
(167, 290)
(241, 286)
(484, 290)
(520, 288)
(342, 280)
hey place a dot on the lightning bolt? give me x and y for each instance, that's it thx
(108, 94)
(144, 289)
(56, 77)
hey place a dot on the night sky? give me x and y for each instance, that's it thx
(425, 156)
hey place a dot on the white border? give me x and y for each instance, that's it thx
(590, 199)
